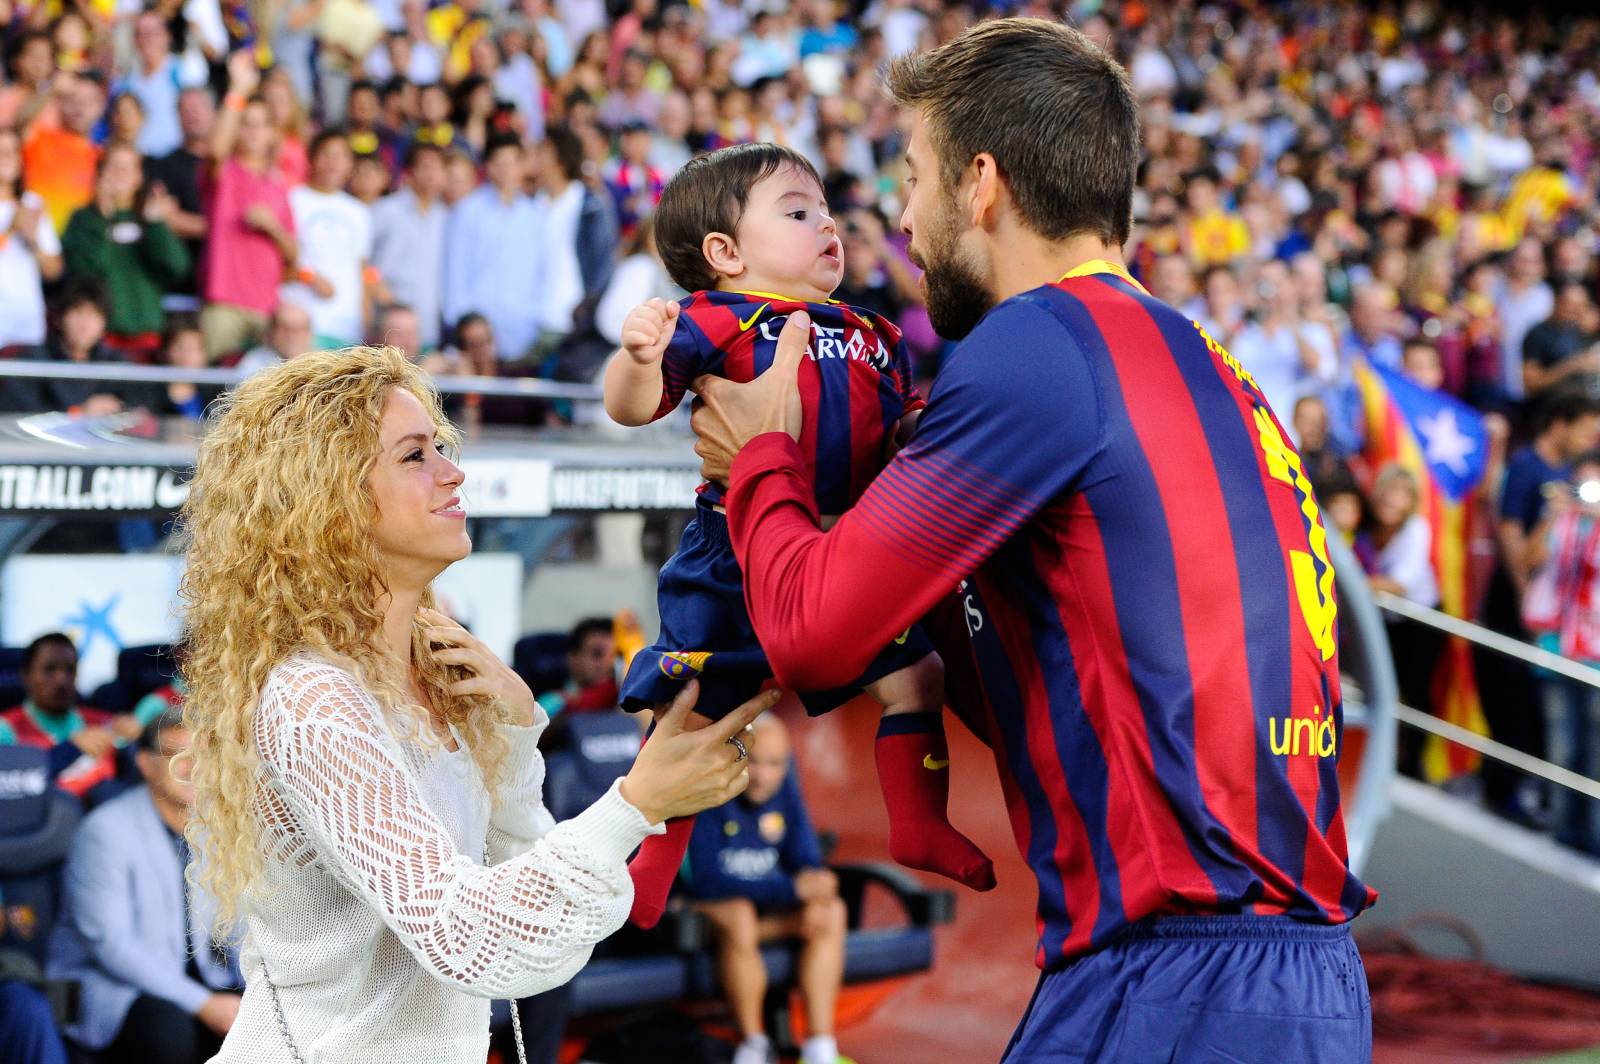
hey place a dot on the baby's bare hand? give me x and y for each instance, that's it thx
(648, 330)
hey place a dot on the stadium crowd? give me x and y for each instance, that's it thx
(1325, 188)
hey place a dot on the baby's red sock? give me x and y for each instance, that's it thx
(654, 868)
(914, 773)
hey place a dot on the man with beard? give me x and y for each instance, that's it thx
(1102, 493)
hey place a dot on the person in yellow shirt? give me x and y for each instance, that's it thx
(1539, 193)
(455, 27)
(1212, 236)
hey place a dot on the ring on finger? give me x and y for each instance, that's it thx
(738, 744)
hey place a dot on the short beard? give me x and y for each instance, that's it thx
(957, 295)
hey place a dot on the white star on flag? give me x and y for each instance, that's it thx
(1444, 442)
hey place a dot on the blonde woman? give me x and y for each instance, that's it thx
(366, 774)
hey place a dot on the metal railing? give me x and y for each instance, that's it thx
(516, 387)
(1513, 648)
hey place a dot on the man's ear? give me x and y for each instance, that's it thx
(987, 190)
(722, 255)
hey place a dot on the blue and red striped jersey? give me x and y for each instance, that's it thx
(855, 384)
(1142, 569)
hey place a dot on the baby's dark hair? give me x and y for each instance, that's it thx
(709, 195)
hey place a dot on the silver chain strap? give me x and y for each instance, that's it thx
(294, 1050)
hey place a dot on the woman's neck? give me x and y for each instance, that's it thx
(399, 614)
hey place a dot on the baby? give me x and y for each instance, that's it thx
(746, 230)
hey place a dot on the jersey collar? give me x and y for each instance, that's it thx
(1098, 266)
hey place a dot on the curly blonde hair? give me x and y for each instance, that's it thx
(281, 560)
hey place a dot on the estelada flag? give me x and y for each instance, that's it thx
(1443, 443)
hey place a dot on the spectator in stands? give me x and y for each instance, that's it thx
(1564, 344)
(1224, 311)
(1562, 609)
(635, 184)
(1524, 300)
(582, 239)
(1289, 358)
(290, 122)
(156, 80)
(1568, 425)
(755, 869)
(184, 347)
(250, 242)
(29, 256)
(169, 696)
(1420, 363)
(1374, 332)
(591, 670)
(332, 279)
(133, 933)
(31, 96)
(408, 238)
(369, 179)
(640, 276)
(488, 267)
(124, 120)
(1397, 550)
(396, 326)
(180, 173)
(127, 247)
(288, 336)
(81, 314)
(58, 161)
(82, 740)
(1309, 426)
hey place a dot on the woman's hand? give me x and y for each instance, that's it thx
(488, 676)
(679, 773)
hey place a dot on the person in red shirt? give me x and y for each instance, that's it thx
(82, 740)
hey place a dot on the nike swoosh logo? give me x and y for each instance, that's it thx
(745, 323)
(902, 637)
(934, 766)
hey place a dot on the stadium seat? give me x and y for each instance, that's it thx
(140, 670)
(36, 826)
(541, 660)
(584, 755)
(11, 692)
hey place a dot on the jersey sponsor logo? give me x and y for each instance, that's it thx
(934, 766)
(681, 664)
(1314, 736)
(772, 826)
(1312, 570)
(837, 342)
(748, 864)
(745, 323)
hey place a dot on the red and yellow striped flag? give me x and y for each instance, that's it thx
(1441, 442)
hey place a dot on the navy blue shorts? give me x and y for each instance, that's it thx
(706, 632)
(1241, 989)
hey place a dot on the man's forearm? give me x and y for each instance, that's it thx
(824, 605)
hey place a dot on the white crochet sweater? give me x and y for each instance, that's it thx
(384, 932)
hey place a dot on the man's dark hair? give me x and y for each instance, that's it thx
(1055, 111)
(49, 639)
(709, 195)
(465, 322)
(1566, 404)
(363, 85)
(420, 148)
(169, 719)
(568, 148)
(587, 627)
(325, 137)
(500, 141)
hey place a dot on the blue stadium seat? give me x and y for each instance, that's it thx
(36, 826)
(541, 660)
(586, 752)
(140, 670)
(11, 692)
